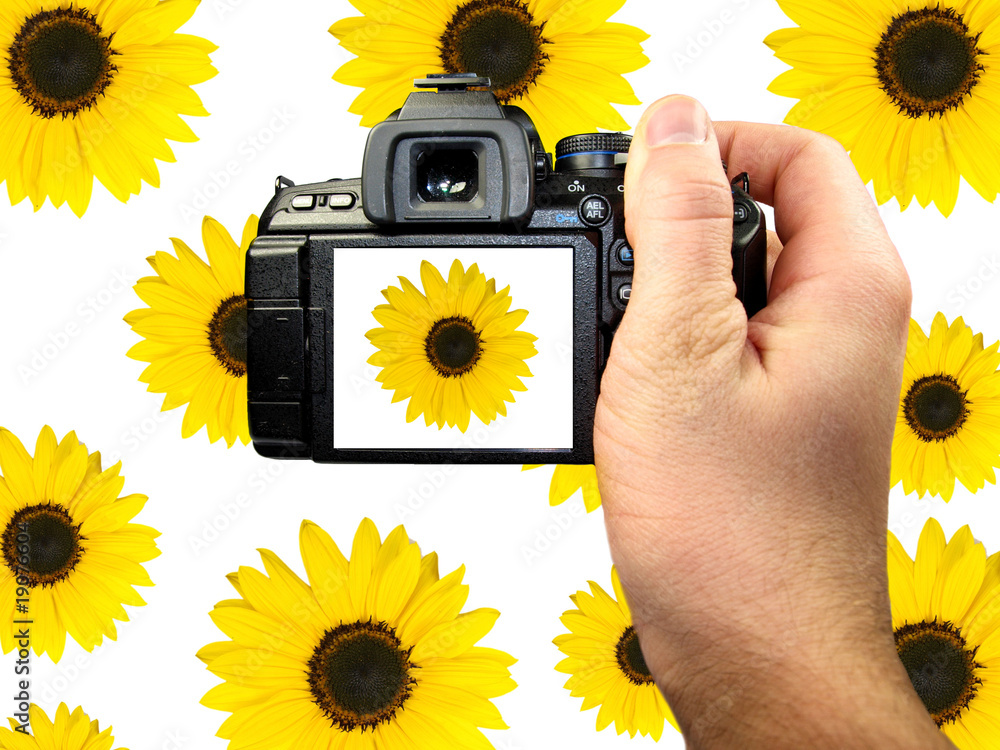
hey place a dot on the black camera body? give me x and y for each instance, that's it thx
(451, 169)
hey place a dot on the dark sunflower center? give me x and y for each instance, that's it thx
(60, 61)
(360, 675)
(227, 334)
(630, 659)
(941, 667)
(453, 346)
(42, 543)
(935, 407)
(495, 38)
(928, 61)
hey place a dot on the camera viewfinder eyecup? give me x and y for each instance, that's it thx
(450, 155)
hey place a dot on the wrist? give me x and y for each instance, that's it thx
(787, 695)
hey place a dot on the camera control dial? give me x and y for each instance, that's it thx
(592, 151)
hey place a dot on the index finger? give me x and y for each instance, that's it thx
(836, 248)
(807, 177)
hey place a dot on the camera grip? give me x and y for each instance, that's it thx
(749, 249)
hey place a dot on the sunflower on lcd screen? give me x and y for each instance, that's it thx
(454, 349)
(471, 346)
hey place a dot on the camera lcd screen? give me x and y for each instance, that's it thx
(465, 348)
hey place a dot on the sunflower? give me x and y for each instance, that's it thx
(567, 479)
(912, 90)
(453, 352)
(69, 731)
(560, 62)
(94, 89)
(948, 424)
(946, 619)
(606, 665)
(67, 539)
(371, 653)
(195, 332)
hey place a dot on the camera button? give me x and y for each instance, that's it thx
(341, 200)
(624, 293)
(625, 255)
(303, 202)
(595, 210)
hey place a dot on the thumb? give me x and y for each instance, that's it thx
(679, 222)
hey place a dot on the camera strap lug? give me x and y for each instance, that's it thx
(281, 182)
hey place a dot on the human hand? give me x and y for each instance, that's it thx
(744, 466)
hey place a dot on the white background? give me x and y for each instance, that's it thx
(275, 110)
(541, 282)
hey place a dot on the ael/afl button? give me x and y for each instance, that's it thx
(595, 210)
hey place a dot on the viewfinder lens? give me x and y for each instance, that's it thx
(448, 175)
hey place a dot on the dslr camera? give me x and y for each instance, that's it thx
(349, 360)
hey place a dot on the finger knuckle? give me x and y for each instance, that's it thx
(822, 145)
(902, 291)
(897, 294)
(883, 295)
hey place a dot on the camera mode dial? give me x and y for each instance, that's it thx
(592, 151)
